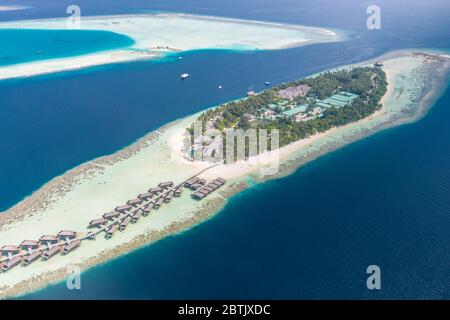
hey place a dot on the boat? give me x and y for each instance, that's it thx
(184, 76)
(220, 87)
(267, 83)
(180, 58)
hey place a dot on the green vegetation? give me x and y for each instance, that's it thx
(369, 83)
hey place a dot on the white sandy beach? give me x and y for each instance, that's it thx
(156, 34)
(69, 202)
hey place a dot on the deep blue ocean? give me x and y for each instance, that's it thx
(383, 200)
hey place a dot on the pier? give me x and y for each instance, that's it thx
(65, 241)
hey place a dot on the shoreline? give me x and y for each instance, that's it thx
(303, 152)
(153, 36)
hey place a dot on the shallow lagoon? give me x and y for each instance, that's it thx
(20, 46)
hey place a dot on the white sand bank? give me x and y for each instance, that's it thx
(155, 34)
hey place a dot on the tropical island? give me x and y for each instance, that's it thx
(298, 109)
(101, 198)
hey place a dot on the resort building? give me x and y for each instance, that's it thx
(66, 235)
(165, 185)
(14, 261)
(51, 252)
(10, 250)
(32, 257)
(155, 190)
(71, 246)
(209, 188)
(191, 181)
(158, 203)
(198, 195)
(124, 223)
(338, 100)
(135, 202)
(145, 196)
(111, 215)
(111, 230)
(29, 245)
(123, 208)
(178, 191)
(136, 215)
(168, 197)
(97, 222)
(147, 209)
(48, 239)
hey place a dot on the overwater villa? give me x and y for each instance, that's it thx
(135, 202)
(209, 188)
(168, 197)
(155, 190)
(66, 235)
(124, 223)
(189, 183)
(51, 252)
(29, 245)
(48, 239)
(147, 209)
(178, 191)
(145, 196)
(14, 261)
(111, 230)
(35, 255)
(111, 215)
(97, 222)
(198, 195)
(126, 207)
(165, 185)
(10, 250)
(71, 246)
(136, 215)
(158, 203)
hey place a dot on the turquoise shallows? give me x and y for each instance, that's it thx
(26, 45)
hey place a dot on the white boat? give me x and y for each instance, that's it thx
(267, 83)
(184, 76)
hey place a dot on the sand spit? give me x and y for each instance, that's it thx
(84, 193)
(158, 34)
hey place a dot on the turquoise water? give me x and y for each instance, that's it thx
(383, 200)
(19, 46)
